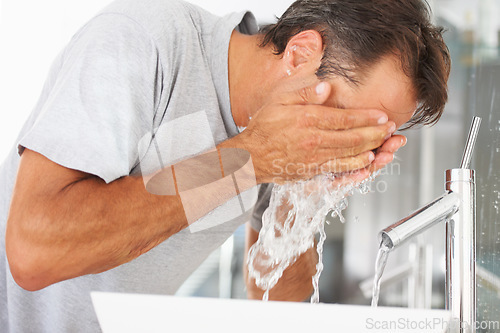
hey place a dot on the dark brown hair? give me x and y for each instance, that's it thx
(358, 33)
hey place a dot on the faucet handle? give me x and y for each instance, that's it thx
(471, 141)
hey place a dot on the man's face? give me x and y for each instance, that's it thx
(385, 88)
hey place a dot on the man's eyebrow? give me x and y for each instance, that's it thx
(384, 107)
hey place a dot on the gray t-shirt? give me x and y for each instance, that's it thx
(143, 84)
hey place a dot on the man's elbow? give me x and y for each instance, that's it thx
(26, 278)
(27, 265)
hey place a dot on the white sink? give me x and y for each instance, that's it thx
(122, 313)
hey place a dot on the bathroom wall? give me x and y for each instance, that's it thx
(485, 100)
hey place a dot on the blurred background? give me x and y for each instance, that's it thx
(32, 33)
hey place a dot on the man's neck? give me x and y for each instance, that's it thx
(251, 74)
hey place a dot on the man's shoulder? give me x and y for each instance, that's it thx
(158, 15)
(160, 25)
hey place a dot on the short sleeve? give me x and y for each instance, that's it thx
(102, 101)
(261, 205)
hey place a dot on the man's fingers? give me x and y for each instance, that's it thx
(343, 144)
(358, 175)
(381, 160)
(327, 118)
(393, 144)
(384, 156)
(312, 94)
(339, 165)
(353, 142)
(354, 177)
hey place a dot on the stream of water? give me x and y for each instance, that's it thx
(380, 263)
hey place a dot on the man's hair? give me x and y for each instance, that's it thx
(358, 33)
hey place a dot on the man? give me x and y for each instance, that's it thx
(133, 165)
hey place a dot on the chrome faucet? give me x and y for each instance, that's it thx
(457, 207)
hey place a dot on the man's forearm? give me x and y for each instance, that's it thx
(296, 281)
(294, 285)
(64, 223)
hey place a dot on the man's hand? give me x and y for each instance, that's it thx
(295, 137)
(383, 156)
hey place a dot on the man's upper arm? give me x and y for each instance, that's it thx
(101, 102)
(35, 197)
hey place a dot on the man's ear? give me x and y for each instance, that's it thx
(304, 50)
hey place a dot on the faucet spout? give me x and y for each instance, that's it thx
(438, 210)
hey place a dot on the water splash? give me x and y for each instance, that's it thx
(319, 265)
(265, 297)
(296, 213)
